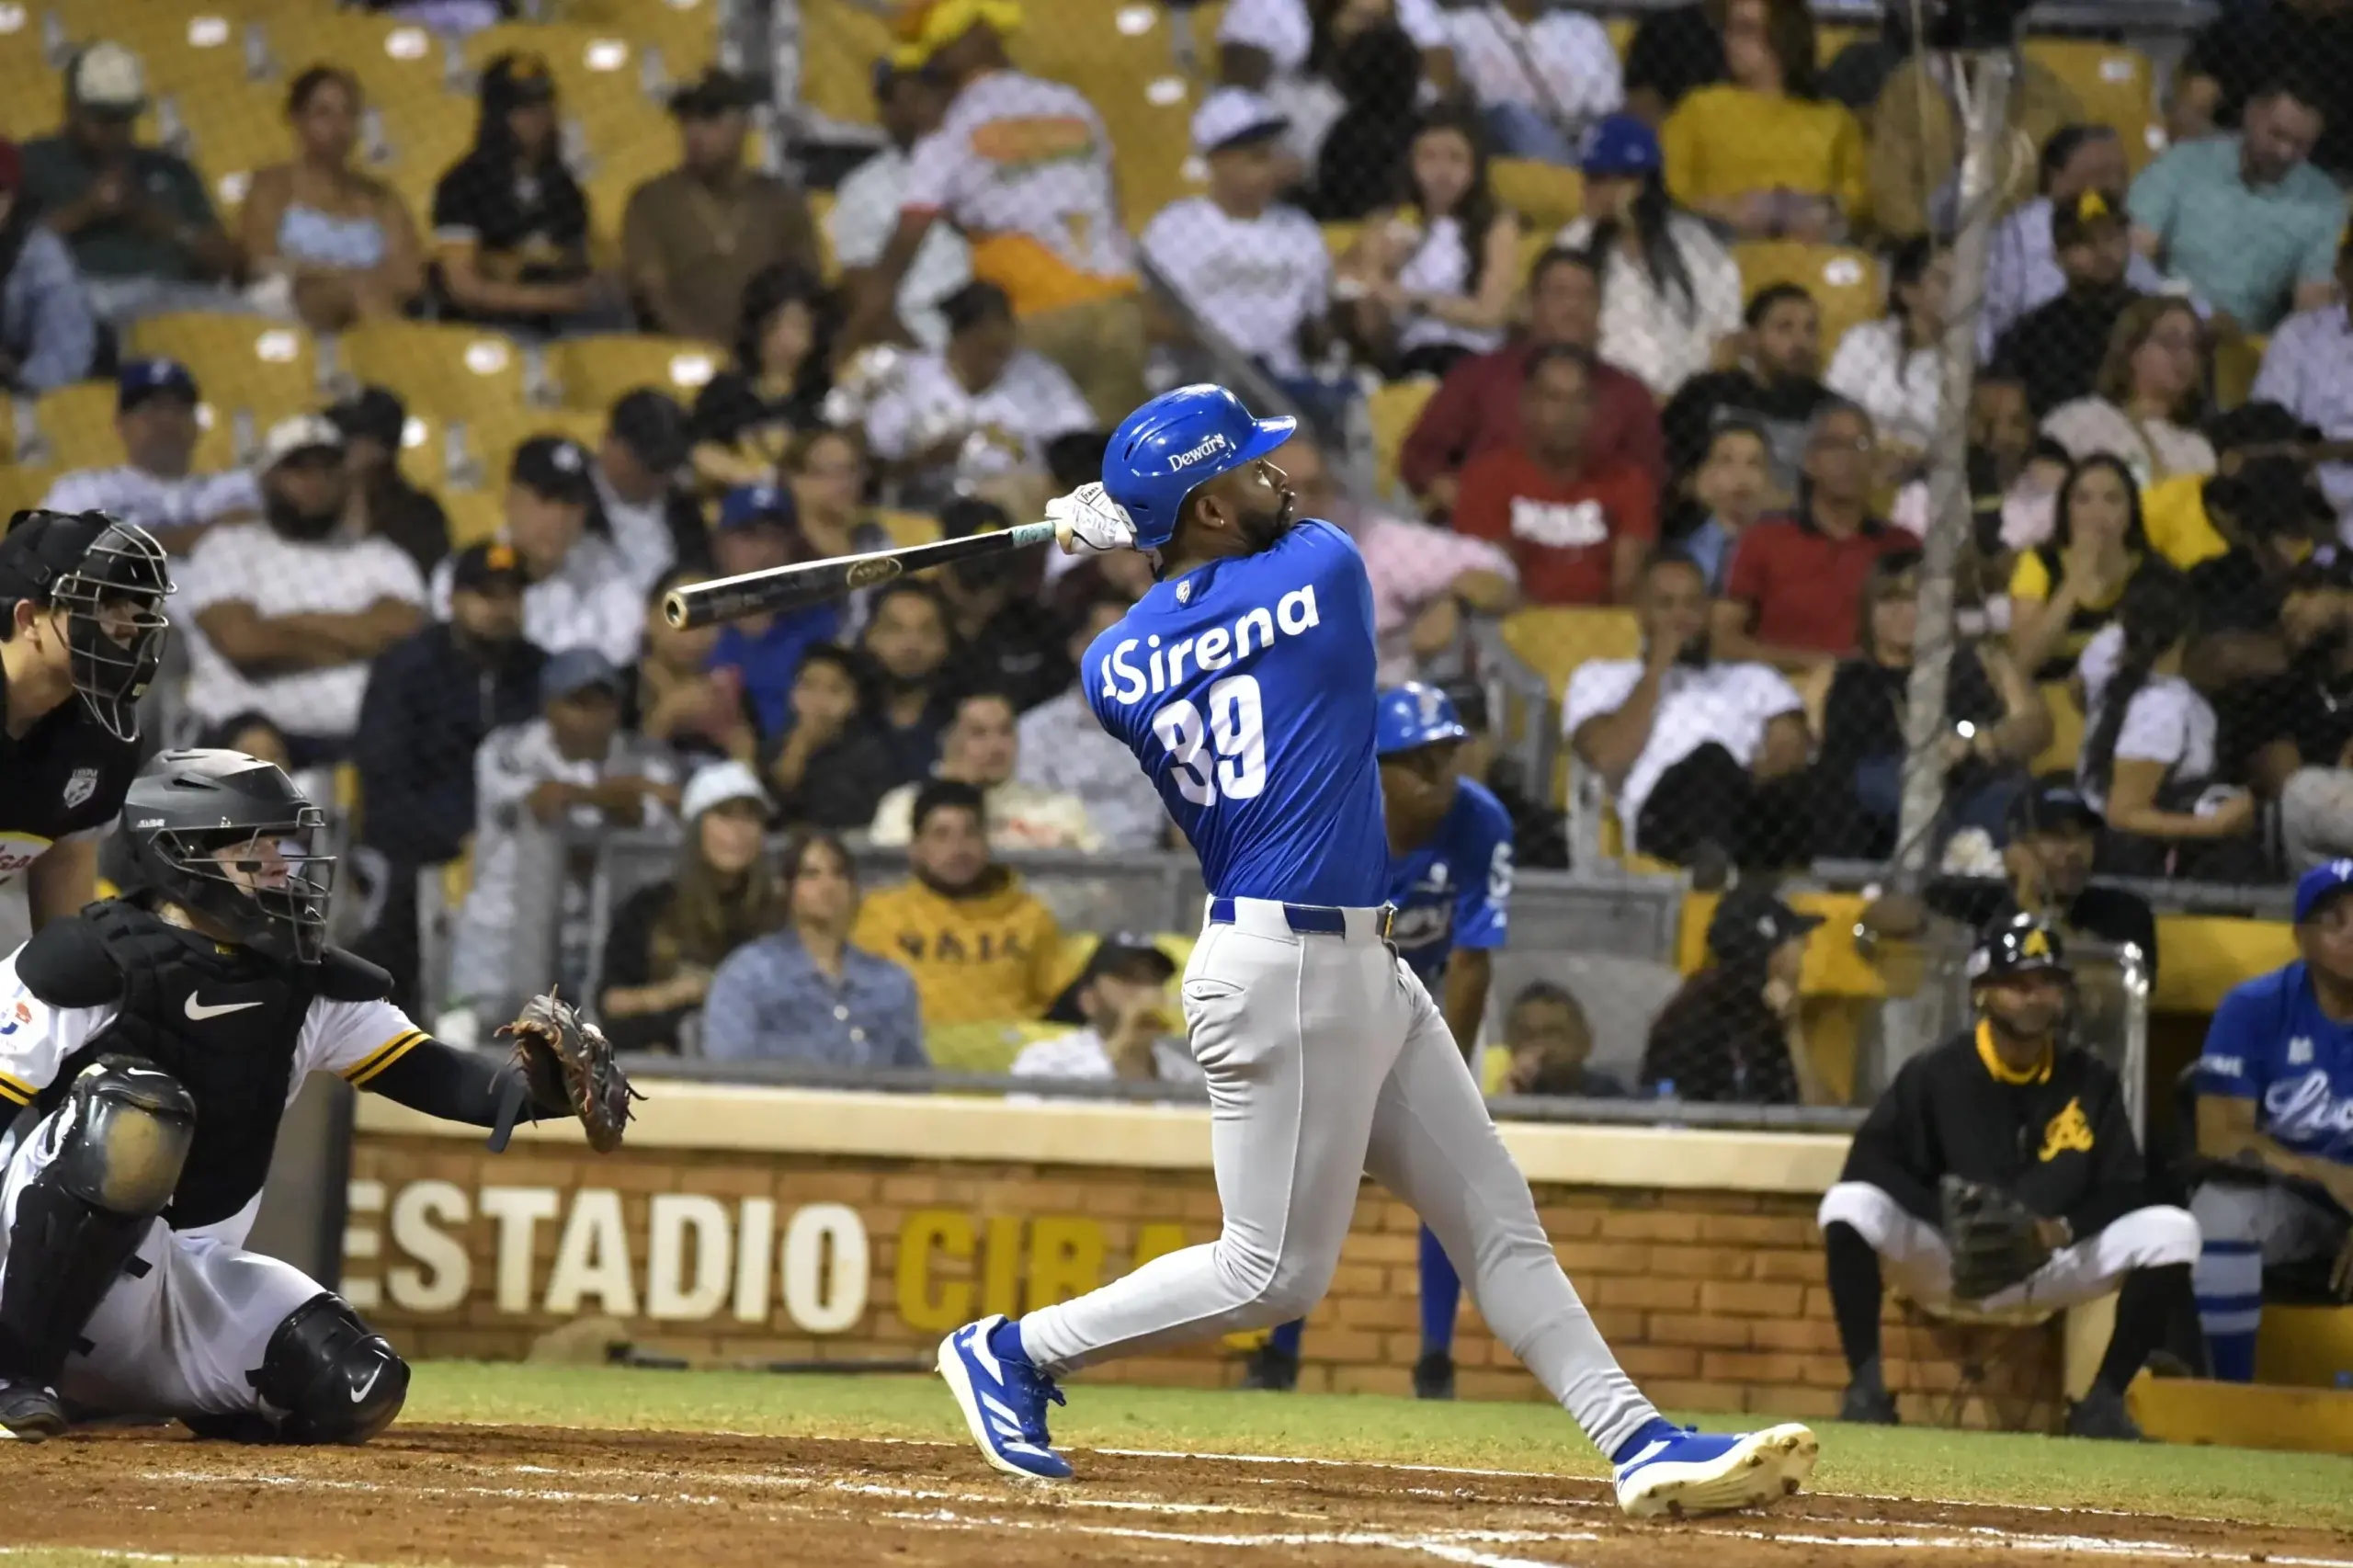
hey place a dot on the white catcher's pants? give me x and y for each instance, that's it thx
(1915, 1260)
(1327, 1060)
(179, 1337)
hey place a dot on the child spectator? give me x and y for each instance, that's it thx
(832, 769)
(1552, 1047)
(756, 533)
(1733, 487)
(1733, 1034)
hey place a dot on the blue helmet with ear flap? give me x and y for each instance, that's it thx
(1179, 440)
(1412, 715)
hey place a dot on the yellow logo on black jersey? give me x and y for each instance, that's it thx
(2068, 1129)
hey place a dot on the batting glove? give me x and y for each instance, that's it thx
(1088, 518)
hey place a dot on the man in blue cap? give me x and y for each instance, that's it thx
(757, 531)
(1450, 877)
(2275, 1107)
(1243, 683)
(154, 489)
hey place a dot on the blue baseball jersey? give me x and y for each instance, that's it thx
(1246, 689)
(2270, 1043)
(1455, 890)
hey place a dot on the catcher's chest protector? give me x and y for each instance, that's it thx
(226, 1024)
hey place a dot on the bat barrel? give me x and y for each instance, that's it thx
(790, 587)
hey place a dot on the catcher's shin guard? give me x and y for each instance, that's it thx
(326, 1377)
(123, 1135)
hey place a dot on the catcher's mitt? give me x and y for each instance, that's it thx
(565, 1064)
(1994, 1238)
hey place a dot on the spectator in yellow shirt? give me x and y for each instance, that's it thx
(981, 947)
(1764, 151)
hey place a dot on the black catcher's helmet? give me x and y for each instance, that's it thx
(187, 806)
(2023, 944)
(110, 577)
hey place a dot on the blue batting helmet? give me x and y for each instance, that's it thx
(1411, 715)
(1177, 441)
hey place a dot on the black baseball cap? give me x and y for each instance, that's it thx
(556, 467)
(1751, 922)
(712, 94)
(652, 425)
(1130, 953)
(2051, 804)
(372, 413)
(2259, 424)
(488, 568)
(515, 78)
(139, 379)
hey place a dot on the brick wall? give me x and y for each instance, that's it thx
(1713, 1300)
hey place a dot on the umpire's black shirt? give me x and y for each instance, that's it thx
(63, 775)
(2056, 1138)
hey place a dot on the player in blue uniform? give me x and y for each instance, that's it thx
(1244, 684)
(2275, 1098)
(1449, 880)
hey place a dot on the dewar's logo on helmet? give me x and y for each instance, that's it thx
(1202, 452)
(1209, 651)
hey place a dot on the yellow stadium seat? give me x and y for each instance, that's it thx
(1393, 408)
(22, 485)
(1828, 42)
(425, 450)
(421, 138)
(394, 62)
(182, 46)
(1339, 238)
(684, 32)
(2066, 731)
(1093, 44)
(592, 372)
(490, 440)
(839, 45)
(1844, 282)
(1553, 640)
(454, 370)
(231, 129)
(239, 361)
(908, 529)
(474, 515)
(1150, 126)
(1621, 33)
(1544, 195)
(821, 213)
(2115, 83)
(2238, 358)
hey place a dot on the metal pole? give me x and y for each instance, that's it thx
(1982, 97)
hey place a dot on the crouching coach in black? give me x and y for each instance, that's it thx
(160, 1036)
(2039, 1127)
(82, 633)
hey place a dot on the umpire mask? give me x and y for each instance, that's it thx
(110, 579)
(228, 836)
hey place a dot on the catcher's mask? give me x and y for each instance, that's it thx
(230, 837)
(2022, 944)
(110, 578)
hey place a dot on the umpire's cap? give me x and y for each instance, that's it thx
(2023, 944)
(1179, 440)
(1413, 715)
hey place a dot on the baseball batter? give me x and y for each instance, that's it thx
(1449, 877)
(1244, 684)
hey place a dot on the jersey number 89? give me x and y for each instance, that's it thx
(1236, 733)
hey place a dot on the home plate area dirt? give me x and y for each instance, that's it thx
(583, 1499)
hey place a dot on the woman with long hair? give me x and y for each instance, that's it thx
(747, 416)
(1431, 280)
(2064, 589)
(1763, 152)
(343, 243)
(1733, 1034)
(826, 470)
(510, 225)
(665, 941)
(2148, 764)
(1995, 721)
(801, 993)
(2151, 392)
(1670, 291)
(1893, 368)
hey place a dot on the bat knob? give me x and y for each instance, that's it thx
(674, 610)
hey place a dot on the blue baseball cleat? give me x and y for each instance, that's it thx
(1711, 1472)
(1004, 1399)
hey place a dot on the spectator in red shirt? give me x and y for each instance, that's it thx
(1796, 586)
(1577, 528)
(1476, 408)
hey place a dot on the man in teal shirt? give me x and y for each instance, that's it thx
(141, 228)
(2246, 219)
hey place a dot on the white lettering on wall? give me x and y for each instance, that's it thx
(592, 1259)
(518, 1211)
(418, 1216)
(680, 1225)
(754, 1250)
(818, 1299)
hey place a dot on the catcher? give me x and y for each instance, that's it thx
(156, 1039)
(1998, 1175)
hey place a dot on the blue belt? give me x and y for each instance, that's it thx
(1307, 919)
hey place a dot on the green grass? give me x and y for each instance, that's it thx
(2236, 1483)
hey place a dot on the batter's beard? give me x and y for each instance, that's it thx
(1260, 530)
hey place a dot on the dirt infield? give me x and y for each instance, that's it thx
(587, 1499)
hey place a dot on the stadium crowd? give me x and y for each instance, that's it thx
(1611, 415)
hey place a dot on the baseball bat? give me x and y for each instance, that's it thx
(812, 582)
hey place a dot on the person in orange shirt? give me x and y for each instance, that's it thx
(1578, 528)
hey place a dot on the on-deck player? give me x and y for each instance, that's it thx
(1450, 877)
(1244, 684)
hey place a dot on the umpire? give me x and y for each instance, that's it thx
(82, 595)
(1999, 1175)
